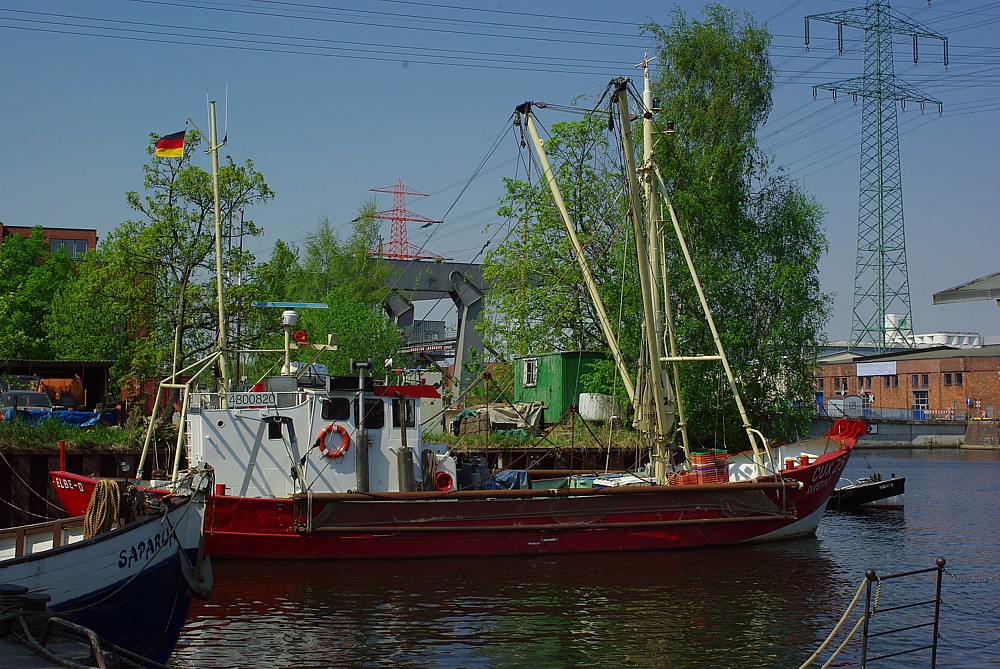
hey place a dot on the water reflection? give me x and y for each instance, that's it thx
(746, 607)
(759, 606)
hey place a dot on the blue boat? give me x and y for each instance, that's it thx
(132, 582)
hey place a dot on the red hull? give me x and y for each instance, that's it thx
(507, 522)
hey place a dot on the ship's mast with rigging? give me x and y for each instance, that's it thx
(655, 394)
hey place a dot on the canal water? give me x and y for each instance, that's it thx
(747, 607)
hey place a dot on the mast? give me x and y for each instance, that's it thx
(213, 148)
(657, 396)
(657, 254)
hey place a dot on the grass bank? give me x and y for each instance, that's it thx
(46, 434)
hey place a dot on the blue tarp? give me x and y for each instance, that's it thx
(33, 416)
(513, 479)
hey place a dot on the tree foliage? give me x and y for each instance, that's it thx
(538, 302)
(104, 314)
(30, 277)
(344, 275)
(170, 247)
(753, 232)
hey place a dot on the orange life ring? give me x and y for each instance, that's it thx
(345, 441)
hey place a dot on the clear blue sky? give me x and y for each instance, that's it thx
(330, 99)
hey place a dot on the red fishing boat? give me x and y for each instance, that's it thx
(309, 466)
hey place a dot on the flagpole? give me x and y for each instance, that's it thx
(221, 344)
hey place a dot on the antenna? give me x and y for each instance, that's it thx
(288, 321)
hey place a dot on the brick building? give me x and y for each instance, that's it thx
(917, 384)
(74, 240)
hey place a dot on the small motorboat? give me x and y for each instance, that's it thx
(868, 491)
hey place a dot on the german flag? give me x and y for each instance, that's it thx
(171, 146)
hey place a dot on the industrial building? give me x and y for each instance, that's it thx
(934, 383)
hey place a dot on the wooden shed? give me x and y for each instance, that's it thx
(554, 379)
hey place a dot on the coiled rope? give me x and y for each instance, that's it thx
(103, 510)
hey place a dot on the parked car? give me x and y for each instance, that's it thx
(25, 399)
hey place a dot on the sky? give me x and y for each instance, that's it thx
(331, 99)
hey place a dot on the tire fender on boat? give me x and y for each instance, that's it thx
(339, 451)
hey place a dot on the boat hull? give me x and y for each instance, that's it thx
(128, 585)
(883, 493)
(537, 522)
(325, 526)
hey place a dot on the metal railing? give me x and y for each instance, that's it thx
(871, 607)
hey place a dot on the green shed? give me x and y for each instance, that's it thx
(553, 379)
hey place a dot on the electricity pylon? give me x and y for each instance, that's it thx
(882, 316)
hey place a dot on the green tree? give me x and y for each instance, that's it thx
(103, 315)
(753, 232)
(30, 277)
(165, 257)
(755, 236)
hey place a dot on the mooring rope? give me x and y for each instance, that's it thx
(103, 510)
(836, 629)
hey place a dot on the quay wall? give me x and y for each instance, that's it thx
(888, 433)
(26, 492)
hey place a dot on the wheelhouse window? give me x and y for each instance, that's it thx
(336, 408)
(411, 413)
(374, 413)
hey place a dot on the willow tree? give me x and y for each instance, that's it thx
(754, 232)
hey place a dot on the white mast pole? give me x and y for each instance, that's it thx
(221, 343)
(661, 302)
(662, 409)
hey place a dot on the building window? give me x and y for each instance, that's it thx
(836, 383)
(530, 372)
(75, 247)
(925, 380)
(914, 380)
(947, 379)
(819, 384)
(958, 378)
(843, 384)
(895, 381)
(886, 381)
(868, 382)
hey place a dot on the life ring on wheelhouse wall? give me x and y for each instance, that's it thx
(329, 451)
